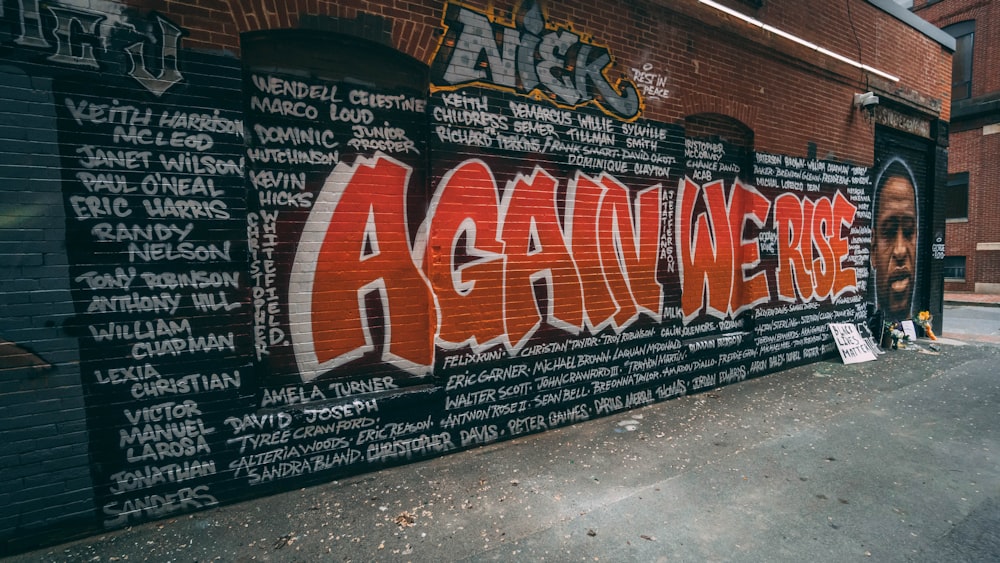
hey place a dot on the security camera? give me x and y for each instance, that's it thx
(865, 100)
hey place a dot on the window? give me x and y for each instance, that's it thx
(961, 66)
(956, 202)
(954, 268)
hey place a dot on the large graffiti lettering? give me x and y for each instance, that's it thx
(469, 264)
(812, 247)
(81, 34)
(530, 56)
(617, 267)
(472, 275)
(169, 74)
(721, 267)
(356, 242)
(712, 247)
(473, 272)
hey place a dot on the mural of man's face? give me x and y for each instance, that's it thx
(895, 247)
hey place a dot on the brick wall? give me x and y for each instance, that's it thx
(237, 263)
(962, 235)
(986, 15)
(976, 153)
(973, 147)
(46, 467)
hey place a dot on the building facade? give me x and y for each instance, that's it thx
(972, 261)
(249, 246)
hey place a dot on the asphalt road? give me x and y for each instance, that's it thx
(892, 460)
(964, 321)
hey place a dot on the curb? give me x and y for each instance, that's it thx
(971, 303)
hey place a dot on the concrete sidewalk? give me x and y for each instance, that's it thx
(892, 460)
(976, 299)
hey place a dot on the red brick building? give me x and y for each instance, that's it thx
(251, 246)
(972, 262)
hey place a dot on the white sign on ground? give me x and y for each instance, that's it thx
(851, 345)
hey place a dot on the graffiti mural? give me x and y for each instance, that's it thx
(153, 193)
(152, 189)
(900, 205)
(534, 57)
(79, 35)
(324, 256)
(336, 166)
(605, 276)
(327, 226)
(894, 248)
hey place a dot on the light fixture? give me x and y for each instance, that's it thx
(865, 100)
(766, 27)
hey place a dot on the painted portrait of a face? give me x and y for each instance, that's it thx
(894, 241)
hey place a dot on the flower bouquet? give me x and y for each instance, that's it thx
(899, 336)
(893, 335)
(924, 319)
